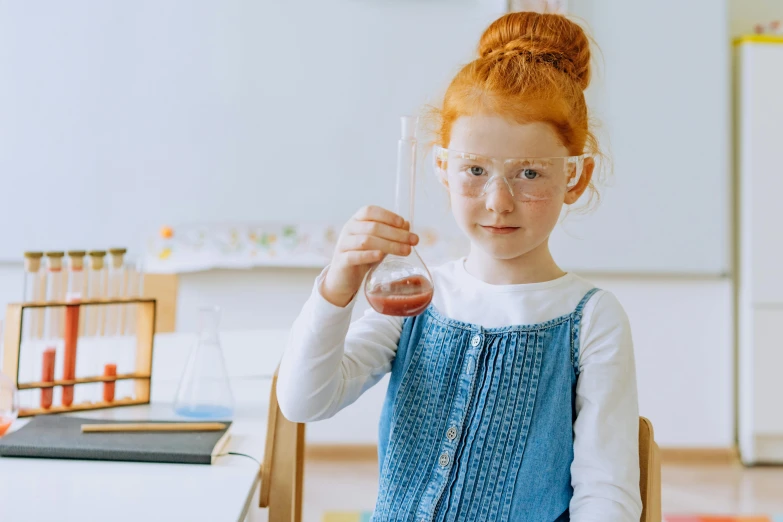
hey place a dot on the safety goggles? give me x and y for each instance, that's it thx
(527, 179)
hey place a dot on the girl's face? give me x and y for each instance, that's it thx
(503, 227)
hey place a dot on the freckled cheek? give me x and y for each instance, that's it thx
(465, 208)
(539, 212)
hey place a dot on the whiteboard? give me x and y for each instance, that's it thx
(119, 117)
(661, 94)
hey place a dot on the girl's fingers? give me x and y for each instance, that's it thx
(373, 213)
(362, 257)
(383, 231)
(368, 242)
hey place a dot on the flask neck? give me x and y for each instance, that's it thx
(406, 169)
(209, 324)
(406, 179)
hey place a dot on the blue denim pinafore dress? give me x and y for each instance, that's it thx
(478, 422)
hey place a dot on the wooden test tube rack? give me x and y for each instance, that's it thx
(145, 335)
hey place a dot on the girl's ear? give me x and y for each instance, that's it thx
(575, 192)
(439, 166)
(441, 173)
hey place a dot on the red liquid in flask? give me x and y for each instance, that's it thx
(403, 298)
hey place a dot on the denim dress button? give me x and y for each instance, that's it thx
(444, 460)
(451, 434)
(475, 341)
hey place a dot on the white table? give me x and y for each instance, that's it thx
(85, 491)
(78, 490)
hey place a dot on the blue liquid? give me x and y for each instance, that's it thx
(205, 411)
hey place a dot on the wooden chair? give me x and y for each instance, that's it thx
(282, 472)
(650, 472)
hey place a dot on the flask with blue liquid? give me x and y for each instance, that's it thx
(204, 391)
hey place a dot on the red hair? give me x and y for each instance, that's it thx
(531, 67)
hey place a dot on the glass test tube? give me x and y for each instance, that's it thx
(134, 288)
(121, 352)
(32, 321)
(92, 351)
(109, 370)
(74, 294)
(115, 288)
(56, 280)
(55, 291)
(77, 282)
(34, 290)
(47, 375)
(95, 290)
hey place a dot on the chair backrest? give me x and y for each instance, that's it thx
(282, 472)
(650, 472)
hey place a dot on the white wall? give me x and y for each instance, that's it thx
(744, 14)
(683, 336)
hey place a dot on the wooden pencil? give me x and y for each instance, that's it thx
(153, 426)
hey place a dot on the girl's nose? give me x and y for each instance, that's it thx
(499, 196)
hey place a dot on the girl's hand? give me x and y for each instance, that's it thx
(365, 240)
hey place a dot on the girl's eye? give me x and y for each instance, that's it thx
(529, 173)
(476, 170)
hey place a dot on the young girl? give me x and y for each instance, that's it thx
(513, 396)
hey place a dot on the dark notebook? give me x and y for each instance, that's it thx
(60, 437)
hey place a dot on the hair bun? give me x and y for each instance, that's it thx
(541, 38)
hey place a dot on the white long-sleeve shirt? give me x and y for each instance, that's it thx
(329, 362)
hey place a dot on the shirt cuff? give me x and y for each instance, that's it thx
(325, 312)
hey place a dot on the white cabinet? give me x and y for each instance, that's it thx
(761, 164)
(767, 363)
(759, 148)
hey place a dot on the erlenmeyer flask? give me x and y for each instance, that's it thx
(204, 390)
(402, 286)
